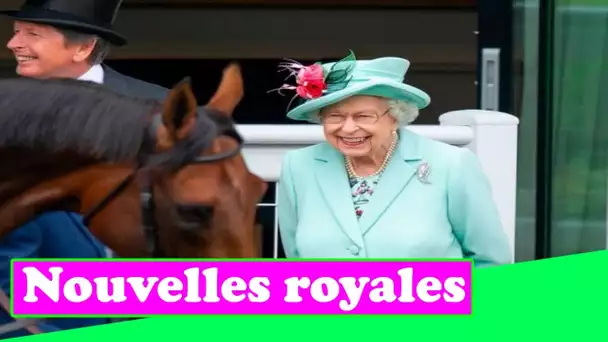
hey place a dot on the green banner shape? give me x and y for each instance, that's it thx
(557, 299)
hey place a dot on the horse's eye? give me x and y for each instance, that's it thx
(195, 212)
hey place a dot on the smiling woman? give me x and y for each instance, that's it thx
(375, 189)
(369, 148)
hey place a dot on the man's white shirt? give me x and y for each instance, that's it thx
(95, 74)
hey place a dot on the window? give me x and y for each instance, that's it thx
(580, 123)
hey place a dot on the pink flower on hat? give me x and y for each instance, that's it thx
(311, 81)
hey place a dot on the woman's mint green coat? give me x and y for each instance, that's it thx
(453, 215)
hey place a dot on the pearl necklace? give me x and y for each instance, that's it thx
(351, 170)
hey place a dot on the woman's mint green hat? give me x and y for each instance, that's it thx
(381, 77)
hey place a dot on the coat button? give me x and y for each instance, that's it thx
(354, 250)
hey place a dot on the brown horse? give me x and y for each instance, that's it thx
(151, 179)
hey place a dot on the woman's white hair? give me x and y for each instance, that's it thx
(403, 111)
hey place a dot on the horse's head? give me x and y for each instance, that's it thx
(198, 198)
(189, 194)
(205, 197)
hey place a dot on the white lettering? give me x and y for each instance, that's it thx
(353, 292)
(211, 285)
(381, 289)
(103, 289)
(428, 284)
(318, 293)
(166, 286)
(386, 291)
(72, 286)
(294, 284)
(232, 285)
(454, 291)
(192, 276)
(406, 276)
(234, 289)
(137, 284)
(35, 279)
(259, 290)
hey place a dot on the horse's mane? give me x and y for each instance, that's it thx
(67, 115)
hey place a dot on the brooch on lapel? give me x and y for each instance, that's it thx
(422, 172)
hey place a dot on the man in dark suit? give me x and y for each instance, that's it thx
(67, 39)
(57, 38)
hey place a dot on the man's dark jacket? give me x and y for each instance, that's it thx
(131, 86)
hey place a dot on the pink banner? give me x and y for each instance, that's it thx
(147, 288)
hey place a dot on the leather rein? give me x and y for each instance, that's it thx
(185, 152)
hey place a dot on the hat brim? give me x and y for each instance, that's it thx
(111, 36)
(385, 88)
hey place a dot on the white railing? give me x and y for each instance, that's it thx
(492, 136)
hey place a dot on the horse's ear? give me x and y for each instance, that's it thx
(230, 91)
(179, 110)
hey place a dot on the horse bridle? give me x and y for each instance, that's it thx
(185, 152)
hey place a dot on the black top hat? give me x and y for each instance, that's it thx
(87, 16)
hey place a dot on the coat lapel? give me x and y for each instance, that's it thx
(333, 182)
(396, 177)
